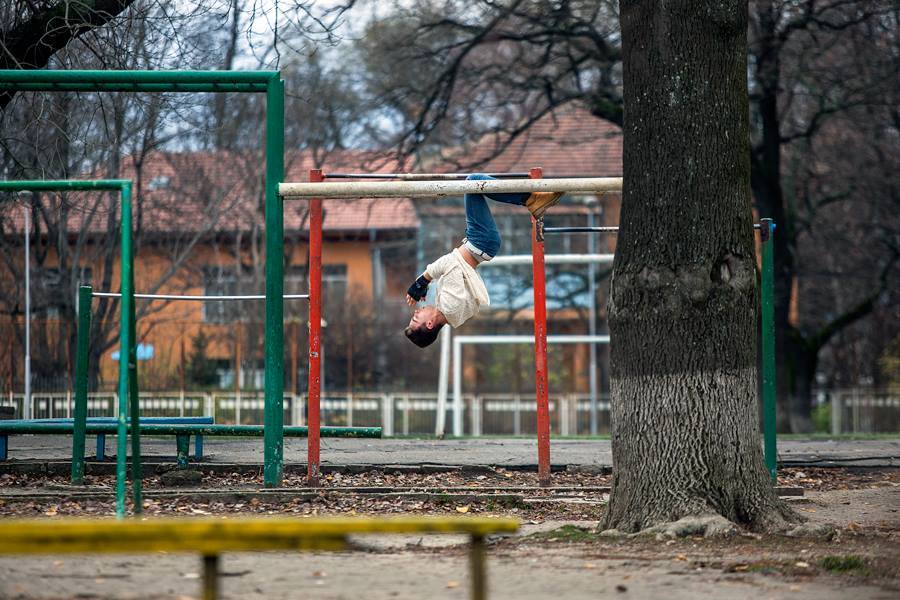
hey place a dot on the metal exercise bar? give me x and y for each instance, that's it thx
(314, 383)
(767, 322)
(127, 367)
(200, 298)
(581, 229)
(393, 189)
(596, 229)
(527, 339)
(419, 176)
(45, 185)
(541, 378)
(144, 81)
(550, 259)
(268, 82)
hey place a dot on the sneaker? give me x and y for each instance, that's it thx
(539, 202)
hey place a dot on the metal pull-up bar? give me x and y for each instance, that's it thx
(394, 189)
(420, 176)
(199, 298)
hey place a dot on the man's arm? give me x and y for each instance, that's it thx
(418, 289)
(433, 271)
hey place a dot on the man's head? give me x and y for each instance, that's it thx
(424, 326)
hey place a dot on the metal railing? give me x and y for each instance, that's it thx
(864, 410)
(858, 410)
(396, 413)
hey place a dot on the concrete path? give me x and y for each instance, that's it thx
(514, 453)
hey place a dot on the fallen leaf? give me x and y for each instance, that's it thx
(190, 575)
(801, 564)
(452, 584)
(462, 509)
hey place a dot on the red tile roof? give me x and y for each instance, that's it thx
(223, 191)
(568, 141)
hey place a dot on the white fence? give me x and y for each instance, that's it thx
(864, 410)
(396, 413)
(853, 411)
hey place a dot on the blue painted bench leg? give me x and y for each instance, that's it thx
(101, 446)
(4, 445)
(198, 446)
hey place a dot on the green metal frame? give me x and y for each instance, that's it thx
(767, 317)
(127, 349)
(267, 82)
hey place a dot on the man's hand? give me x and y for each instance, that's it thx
(417, 290)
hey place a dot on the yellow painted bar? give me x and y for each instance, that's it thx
(213, 536)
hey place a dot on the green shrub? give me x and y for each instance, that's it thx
(821, 418)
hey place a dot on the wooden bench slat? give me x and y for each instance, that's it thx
(212, 536)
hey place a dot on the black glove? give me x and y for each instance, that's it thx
(418, 289)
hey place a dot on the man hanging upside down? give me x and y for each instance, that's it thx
(460, 290)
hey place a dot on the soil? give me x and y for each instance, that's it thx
(557, 553)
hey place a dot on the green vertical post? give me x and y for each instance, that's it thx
(85, 294)
(183, 449)
(274, 410)
(135, 411)
(767, 230)
(126, 285)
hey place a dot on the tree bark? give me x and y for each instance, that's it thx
(683, 295)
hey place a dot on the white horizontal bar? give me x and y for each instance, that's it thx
(395, 189)
(550, 259)
(529, 339)
(199, 298)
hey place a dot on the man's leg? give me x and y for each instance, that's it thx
(508, 198)
(537, 203)
(482, 237)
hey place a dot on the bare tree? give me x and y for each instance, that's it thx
(684, 296)
(818, 71)
(822, 71)
(120, 135)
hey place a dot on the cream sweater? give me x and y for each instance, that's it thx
(460, 290)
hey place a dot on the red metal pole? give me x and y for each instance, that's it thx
(540, 344)
(315, 332)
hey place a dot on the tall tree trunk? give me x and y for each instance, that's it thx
(683, 296)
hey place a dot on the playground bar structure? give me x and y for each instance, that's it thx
(766, 228)
(127, 347)
(258, 82)
(318, 188)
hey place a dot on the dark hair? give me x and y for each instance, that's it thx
(422, 336)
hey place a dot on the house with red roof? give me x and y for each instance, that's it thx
(200, 229)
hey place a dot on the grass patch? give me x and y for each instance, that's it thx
(844, 564)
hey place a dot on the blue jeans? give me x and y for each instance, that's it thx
(481, 230)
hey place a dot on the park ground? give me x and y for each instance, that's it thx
(851, 485)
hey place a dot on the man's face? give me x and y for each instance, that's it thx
(423, 316)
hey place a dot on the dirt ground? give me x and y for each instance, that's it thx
(557, 553)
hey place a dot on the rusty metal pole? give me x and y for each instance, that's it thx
(540, 344)
(478, 568)
(315, 332)
(210, 576)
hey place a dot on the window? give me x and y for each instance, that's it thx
(220, 281)
(334, 281)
